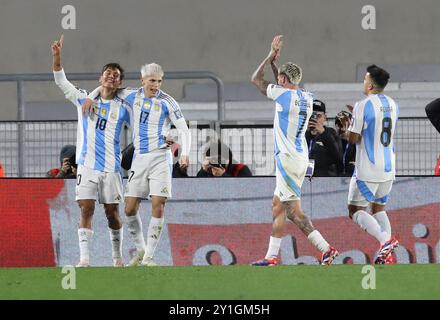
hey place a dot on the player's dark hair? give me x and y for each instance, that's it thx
(113, 65)
(379, 76)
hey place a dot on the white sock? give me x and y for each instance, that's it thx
(153, 235)
(84, 237)
(369, 224)
(116, 239)
(318, 241)
(134, 225)
(385, 226)
(274, 248)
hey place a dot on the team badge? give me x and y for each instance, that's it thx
(103, 112)
(147, 105)
(113, 116)
(156, 106)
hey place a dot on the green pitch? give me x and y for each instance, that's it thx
(224, 282)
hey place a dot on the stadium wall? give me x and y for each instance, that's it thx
(214, 221)
(228, 37)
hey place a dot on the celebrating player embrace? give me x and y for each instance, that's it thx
(151, 170)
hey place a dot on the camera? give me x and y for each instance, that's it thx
(217, 165)
(314, 116)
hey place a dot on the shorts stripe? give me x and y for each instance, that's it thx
(290, 182)
(382, 200)
(363, 188)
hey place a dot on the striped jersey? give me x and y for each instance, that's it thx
(152, 118)
(375, 119)
(98, 134)
(292, 114)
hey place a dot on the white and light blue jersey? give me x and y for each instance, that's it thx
(292, 114)
(375, 119)
(98, 134)
(152, 118)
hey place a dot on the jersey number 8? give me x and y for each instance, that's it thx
(385, 135)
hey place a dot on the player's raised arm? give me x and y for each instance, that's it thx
(69, 90)
(258, 76)
(277, 43)
(56, 53)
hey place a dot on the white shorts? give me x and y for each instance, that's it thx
(361, 193)
(290, 175)
(150, 175)
(89, 182)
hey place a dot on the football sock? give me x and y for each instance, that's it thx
(384, 222)
(84, 237)
(153, 235)
(134, 225)
(116, 239)
(274, 248)
(369, 224)
(318, 241)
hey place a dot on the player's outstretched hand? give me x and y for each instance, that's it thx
(57, 45)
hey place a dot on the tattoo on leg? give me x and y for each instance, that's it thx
(302, 221)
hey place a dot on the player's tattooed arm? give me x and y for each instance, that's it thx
(258, 78)
(274, 53)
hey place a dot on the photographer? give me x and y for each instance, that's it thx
(218, 162)
(342, 122)
(68, 165)
(324, 144)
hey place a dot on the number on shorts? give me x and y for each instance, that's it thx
(101, 124)
(78, 181)
(385, 135)
(131, 176)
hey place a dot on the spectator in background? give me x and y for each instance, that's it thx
(433, 113)
(432, 110)
(218, 162)
(2, 172)
(324, 143)
(68, 165)
(342, 122)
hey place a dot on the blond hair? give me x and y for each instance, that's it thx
(152, 69)
(292, 71)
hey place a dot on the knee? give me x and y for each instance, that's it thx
(158, 208)
(87, 210)
(277, 209)
(111, 213)
(130, 209)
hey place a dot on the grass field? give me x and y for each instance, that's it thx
(224, 282)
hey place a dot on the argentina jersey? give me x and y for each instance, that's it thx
(152, 118)
(101, 130)
(375, 119)
(292, 114)
(98, 134)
